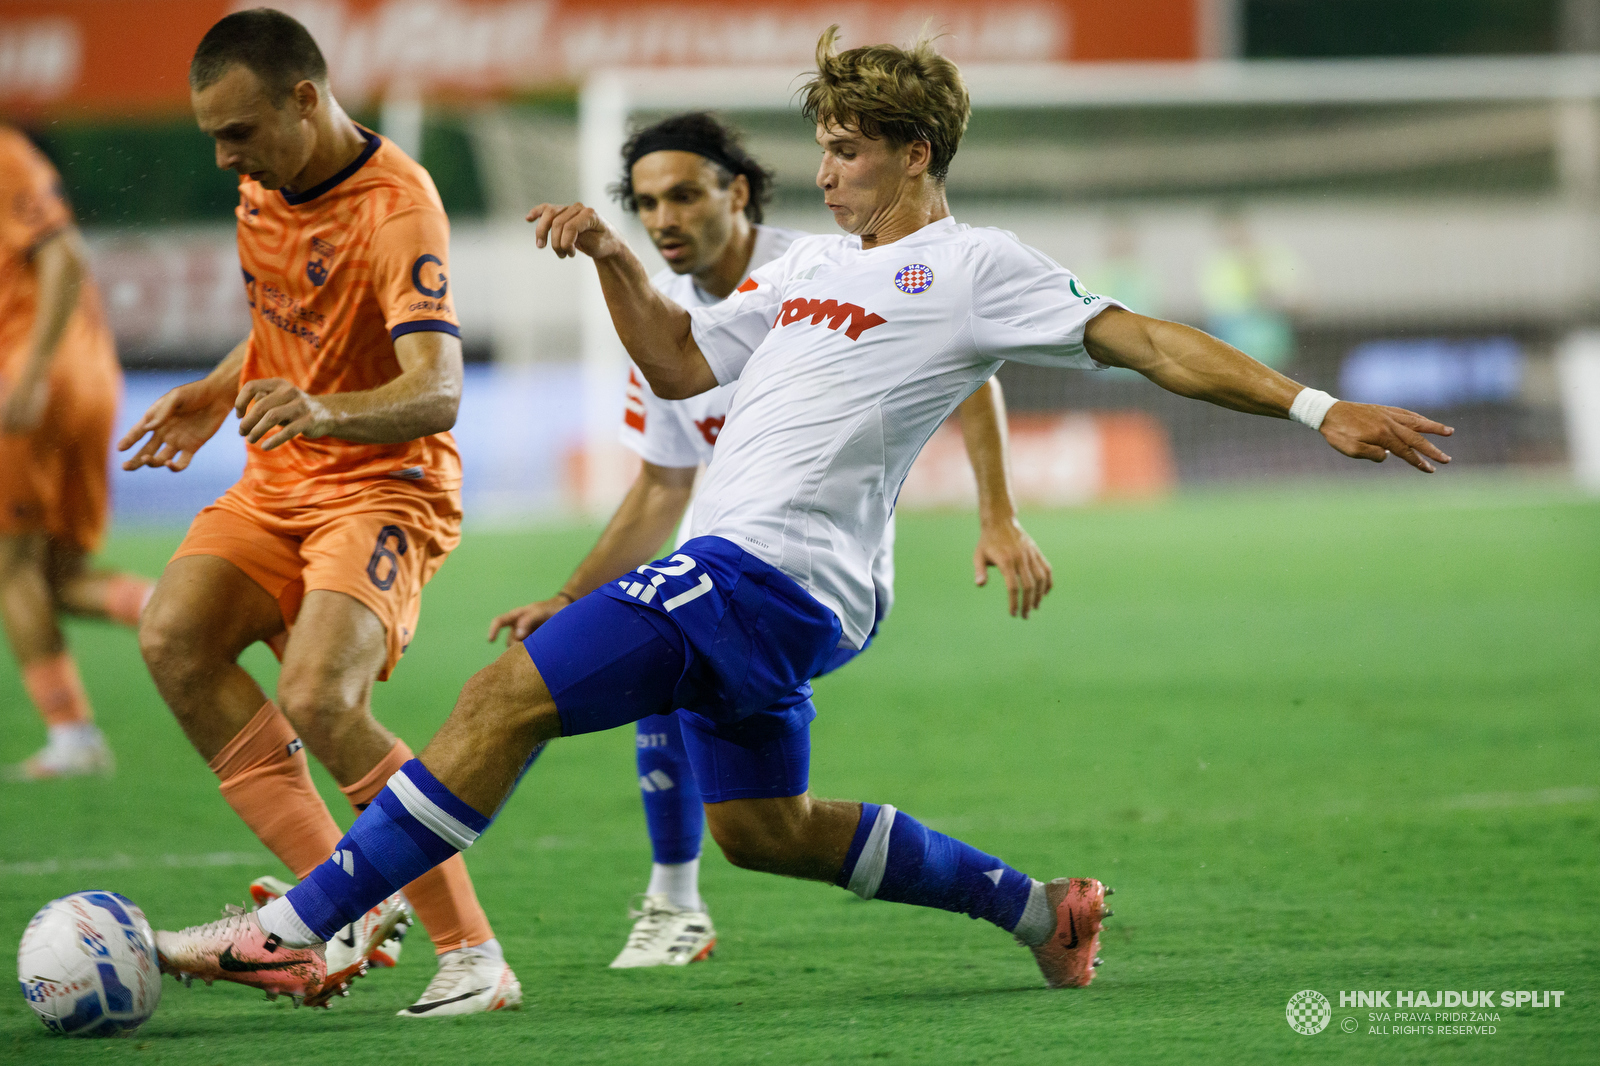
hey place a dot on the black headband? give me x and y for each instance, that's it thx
(681, 141)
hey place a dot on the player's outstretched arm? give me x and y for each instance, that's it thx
(1186, 361)
(186, 417)
(653, 329)
(653, 506)
(423, 399)
(1002, 542)
(59, 264)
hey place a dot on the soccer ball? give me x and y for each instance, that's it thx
(88, 965)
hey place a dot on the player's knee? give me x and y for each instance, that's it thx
(171, 645)
(318, 704)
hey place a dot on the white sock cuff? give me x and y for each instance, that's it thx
(1310, 407)
(679, 882)
(874, 857)
(1036, 923)
(280, 919)
(433, 817)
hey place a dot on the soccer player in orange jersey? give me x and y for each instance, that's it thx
(59, 385)
(350, 499)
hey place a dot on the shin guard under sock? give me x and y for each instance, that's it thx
(444, 899)
(265, 779)
(897, 858)
(413, 825)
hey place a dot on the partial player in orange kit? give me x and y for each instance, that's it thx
(59, 386)
(350, 499)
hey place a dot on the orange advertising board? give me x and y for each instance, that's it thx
(131, 56)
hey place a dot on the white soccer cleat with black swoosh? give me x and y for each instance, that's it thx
(469, 981)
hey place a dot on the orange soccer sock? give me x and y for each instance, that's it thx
(56, 689)
(443, 897)
(126, 596)
(267, 782)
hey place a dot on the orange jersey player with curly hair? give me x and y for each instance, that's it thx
(350, 500)
(59, 384)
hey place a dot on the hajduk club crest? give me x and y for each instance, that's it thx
(914, 278)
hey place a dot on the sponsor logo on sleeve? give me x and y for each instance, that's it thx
(1080, 292)
(428, 276)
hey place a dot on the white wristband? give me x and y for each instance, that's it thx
(1310, 407)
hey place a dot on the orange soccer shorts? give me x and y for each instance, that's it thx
(55, 480)
(379, 545)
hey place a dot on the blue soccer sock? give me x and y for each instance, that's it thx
(672, 807)
(897, 858)
(413, 825)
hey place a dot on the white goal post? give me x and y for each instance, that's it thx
(610, 98)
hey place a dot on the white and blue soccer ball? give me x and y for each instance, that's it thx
(88, 966)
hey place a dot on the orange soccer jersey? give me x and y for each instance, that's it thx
(333, 275)
(54, 478)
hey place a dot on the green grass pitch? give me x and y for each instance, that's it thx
(1343, 739)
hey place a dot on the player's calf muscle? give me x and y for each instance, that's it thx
(798, 836)
(504, 711)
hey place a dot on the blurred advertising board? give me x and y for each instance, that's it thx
(131, 56)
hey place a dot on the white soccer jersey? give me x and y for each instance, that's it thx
(682, 433)
(847, 360)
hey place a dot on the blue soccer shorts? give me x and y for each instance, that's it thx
(714, 632)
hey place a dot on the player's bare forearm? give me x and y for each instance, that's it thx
(645, 519)
(1002, 542)
(223, 381)
(983, 431)
(653, 329)
(421, 400)
(59, 265)
(1186, 361)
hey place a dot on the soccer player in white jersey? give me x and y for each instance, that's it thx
(699, 196)
(848, 351)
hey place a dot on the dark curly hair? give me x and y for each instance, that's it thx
(705, 135)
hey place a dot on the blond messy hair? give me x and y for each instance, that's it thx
(897, 94)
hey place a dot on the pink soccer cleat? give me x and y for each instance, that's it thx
(237, 949)
(349, 945)
(1069, 957)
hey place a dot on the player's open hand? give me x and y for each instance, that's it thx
(1371, 431)
(1007, 547)
(524, 620)
(269, 404)
(178, 424)
(572, 228)
(22, 408)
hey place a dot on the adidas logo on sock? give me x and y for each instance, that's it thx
(656, 781)
(995, 875)
(293, 746)
(345, 861)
